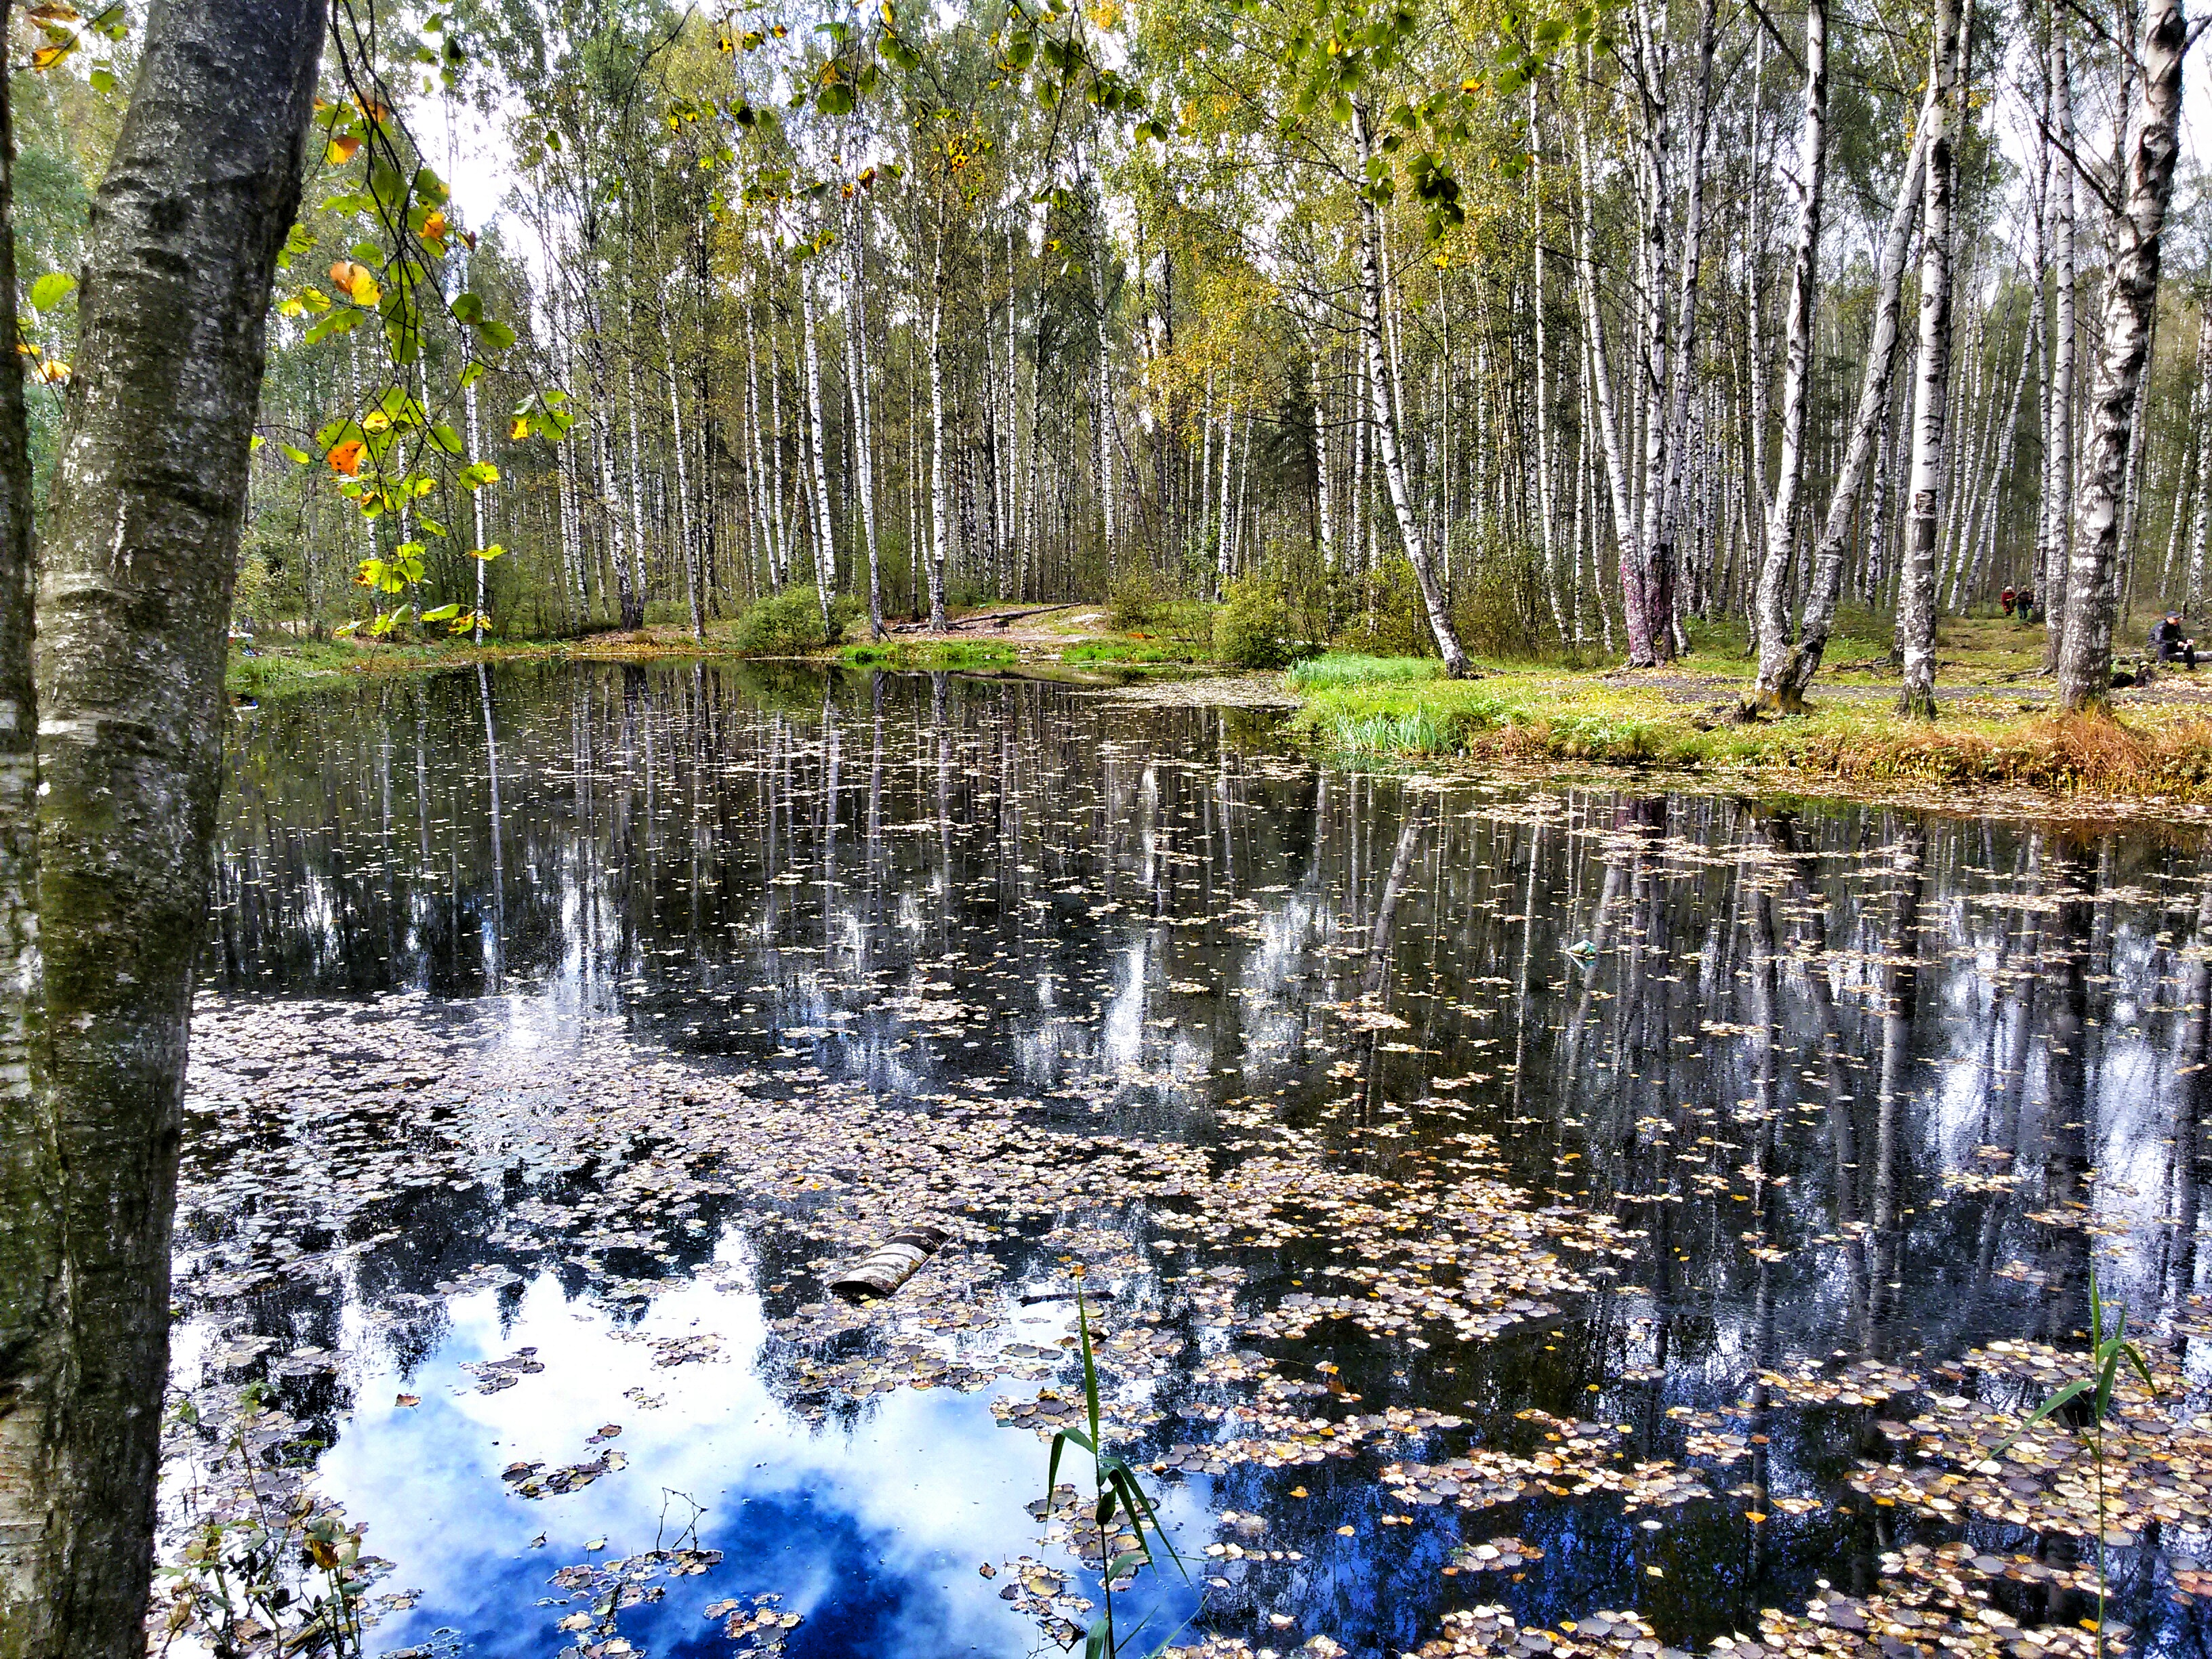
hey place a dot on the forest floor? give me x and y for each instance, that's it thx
(1996, 730)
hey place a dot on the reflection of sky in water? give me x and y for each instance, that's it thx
(779, 882)
(874, 1532)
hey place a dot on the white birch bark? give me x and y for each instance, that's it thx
(937, 504)
(825, 545)
(856, 331)
(2058, 481)
(1386, 432)
(1868, 433)
(1797, 372)
(1916, 601)
(2085, 666)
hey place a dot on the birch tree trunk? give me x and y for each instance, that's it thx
(1867, 440)
(856, 325)
(629, 603)
(1916, 591)
(2085, 664)
(1545, 538)
(2200, 528)
(1782, 520)
(1600, 376)
(1324, 525)
(937, 440)
(37, 1521)
(687, 530)
(1665, 622)
(2058, 480)
(133, 610)
(825, 545)
(636, 478)
(476, 510)
(1105, 396)
(1386, 418)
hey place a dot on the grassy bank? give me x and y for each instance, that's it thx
(1988, 737)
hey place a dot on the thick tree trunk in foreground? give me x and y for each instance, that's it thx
(1818, 619)
(1782, 520)
(2085, 660)
(133, 610)
(1386, 416)
(1916, 587)
(33, 1315)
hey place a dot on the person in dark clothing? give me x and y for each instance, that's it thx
(2170, 644)
(2026, 603)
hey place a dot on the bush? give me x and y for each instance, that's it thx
(1137, 600)
(1502, 612)
(782, 625)
(1254, 628)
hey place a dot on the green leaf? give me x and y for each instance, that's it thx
(443, 613)
(51, 289)
(294, 454)
(2080, 1385)
(103, 80)
(443, 437)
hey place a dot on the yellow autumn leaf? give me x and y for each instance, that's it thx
(357, 281)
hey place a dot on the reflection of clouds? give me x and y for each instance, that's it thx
(923, 1488)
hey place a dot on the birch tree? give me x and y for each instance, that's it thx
(2085, 664)
(1782, 518)
(1916, 602)
(105, 859)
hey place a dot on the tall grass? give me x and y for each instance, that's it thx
(1342, 668)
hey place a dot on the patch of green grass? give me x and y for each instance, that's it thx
(1542, 719)
(930, 653)
(1127, 651)
(1342, 668)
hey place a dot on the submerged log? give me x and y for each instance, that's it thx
(890, 1264)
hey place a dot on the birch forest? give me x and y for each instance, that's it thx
(1564, 334)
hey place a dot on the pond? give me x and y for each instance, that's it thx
(1639, 1215)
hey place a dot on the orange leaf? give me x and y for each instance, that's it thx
(357, 281)
(346, 457)
(342, 150)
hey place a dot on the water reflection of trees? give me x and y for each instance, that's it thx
(1700, 1011)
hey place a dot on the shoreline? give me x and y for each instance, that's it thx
(1997, 747)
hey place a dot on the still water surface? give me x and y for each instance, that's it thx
(519, 982)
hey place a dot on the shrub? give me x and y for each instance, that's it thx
(1254, 628)
(780, 625)
(1137, 598)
